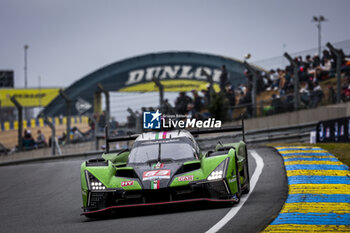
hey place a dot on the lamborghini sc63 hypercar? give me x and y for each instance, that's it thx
(164, 168)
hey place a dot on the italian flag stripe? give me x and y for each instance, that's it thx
(157, 135)
(155, 184)
(164, 135)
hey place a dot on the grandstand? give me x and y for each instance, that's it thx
(207, 81)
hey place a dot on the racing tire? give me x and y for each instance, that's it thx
(246, 190)
(238, 178)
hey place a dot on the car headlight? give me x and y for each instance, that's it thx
(95, 184)
(219, 171)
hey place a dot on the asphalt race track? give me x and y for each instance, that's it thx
(46, 197)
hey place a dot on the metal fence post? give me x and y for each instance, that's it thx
(161, 92)
(137, 120)
(255, 85)
(209, 80)
(20, 121)
(53, 135)
(106, 93)
(68, 113)
(296, 80)
(338, 54)
(95, 131)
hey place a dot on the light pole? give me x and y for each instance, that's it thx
(25, 66)
(26, 114)
(319, 20)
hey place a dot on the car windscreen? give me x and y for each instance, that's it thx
(161, 152)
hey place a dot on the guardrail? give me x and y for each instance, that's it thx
(299, 133)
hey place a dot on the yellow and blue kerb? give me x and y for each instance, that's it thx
(319, 192)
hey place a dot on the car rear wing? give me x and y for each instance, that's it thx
(238, 128)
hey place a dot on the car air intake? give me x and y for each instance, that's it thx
(96, 162)
(188, 167)
(126, 173)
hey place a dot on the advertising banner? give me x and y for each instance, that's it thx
(335, 130)
(29, 97)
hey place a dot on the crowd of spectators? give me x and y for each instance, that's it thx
(311, 71)
(28, 142)
(208, 103)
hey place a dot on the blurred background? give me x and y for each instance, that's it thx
(68, 68)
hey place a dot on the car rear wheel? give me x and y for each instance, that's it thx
(246, 175)
(238, 178)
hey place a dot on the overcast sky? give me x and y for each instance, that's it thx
(70, 38)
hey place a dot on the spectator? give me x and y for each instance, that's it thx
(191, 111)
(326, 56)
(332, 98)
(181, 103)
(308, 63)
(316, 62)
(197, 101)
(304, 94)
(265, 80)
(102, 122)
(282, 81)
(246, 99)
(327, 65)
(62, 139)
(28, 141)
(249, 78)
(230, 95)
(205, 97)
(318, 74)
(276, 104)
(91, 122)
(345, 95)
(316, 95)
(77, 135)
(168, 109)
(274, 80)
(289, 101)
(223, 78)
(40, 139)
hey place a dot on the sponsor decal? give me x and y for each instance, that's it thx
(342, 131)
(328, 132)
(155, 184)
(185, 178)
(170, 86)
(336, 133)
(156, 174)
(28, 97)
(233, 179)
(186, 72)
(158, 165)
(151, 120)
(127, 183)
(321, 132)
(82, 105)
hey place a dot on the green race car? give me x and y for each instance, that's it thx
(163, 168)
